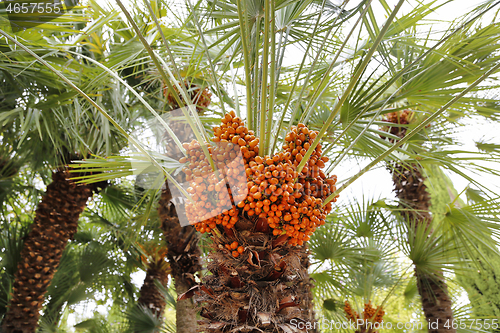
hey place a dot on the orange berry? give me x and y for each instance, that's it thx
(234, 245)
(236, 254)
(241, 249)
(253, 143)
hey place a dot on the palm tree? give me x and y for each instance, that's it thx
(67, 130)
(184, 258)
(409, 178)
(258, 278)
(157, 270)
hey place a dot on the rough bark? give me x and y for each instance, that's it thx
(185, 310)
(306, 302)
(266, 289)
(184, 258)
(55, 223)
(149, 295)
(415, 202)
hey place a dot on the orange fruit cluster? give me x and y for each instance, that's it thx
(235, 249)
(350, 313)
(233, 130)
(269, 187)
(312, 177)
(368, 313)
(212, 197)
(275, 196)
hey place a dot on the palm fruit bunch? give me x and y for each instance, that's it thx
(259, 210)
(350, 313)
(276, 195)
(370, 314)
(213, 204)
(201, 97)
(213, 199)
(233, 130)
(315, 186)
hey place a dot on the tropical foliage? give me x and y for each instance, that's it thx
(122, 122)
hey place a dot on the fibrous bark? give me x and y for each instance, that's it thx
(266, 289)
(184, 258)
(149, 295)
(415, 202)
(55, 223)
(307, 299)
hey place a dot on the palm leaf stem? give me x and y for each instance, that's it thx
(349, 88)
(272, 84)
(264, 92)
(242, 14)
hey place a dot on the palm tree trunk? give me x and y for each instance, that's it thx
(306, 300)
(55, 223)
(266, 289)
(149, 295)
(415, 201)
(184, 258)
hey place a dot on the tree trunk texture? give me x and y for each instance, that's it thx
(184, 258)
(415, 202)
(266, 289)
(149, 295)
(55, 223)
(306, 302)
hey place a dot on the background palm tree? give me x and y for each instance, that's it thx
(51, 126)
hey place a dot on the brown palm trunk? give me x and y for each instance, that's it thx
(55, 223)
(307, 299)
(415, 202)
(266, 289)
(149, 296)
(184, 258)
